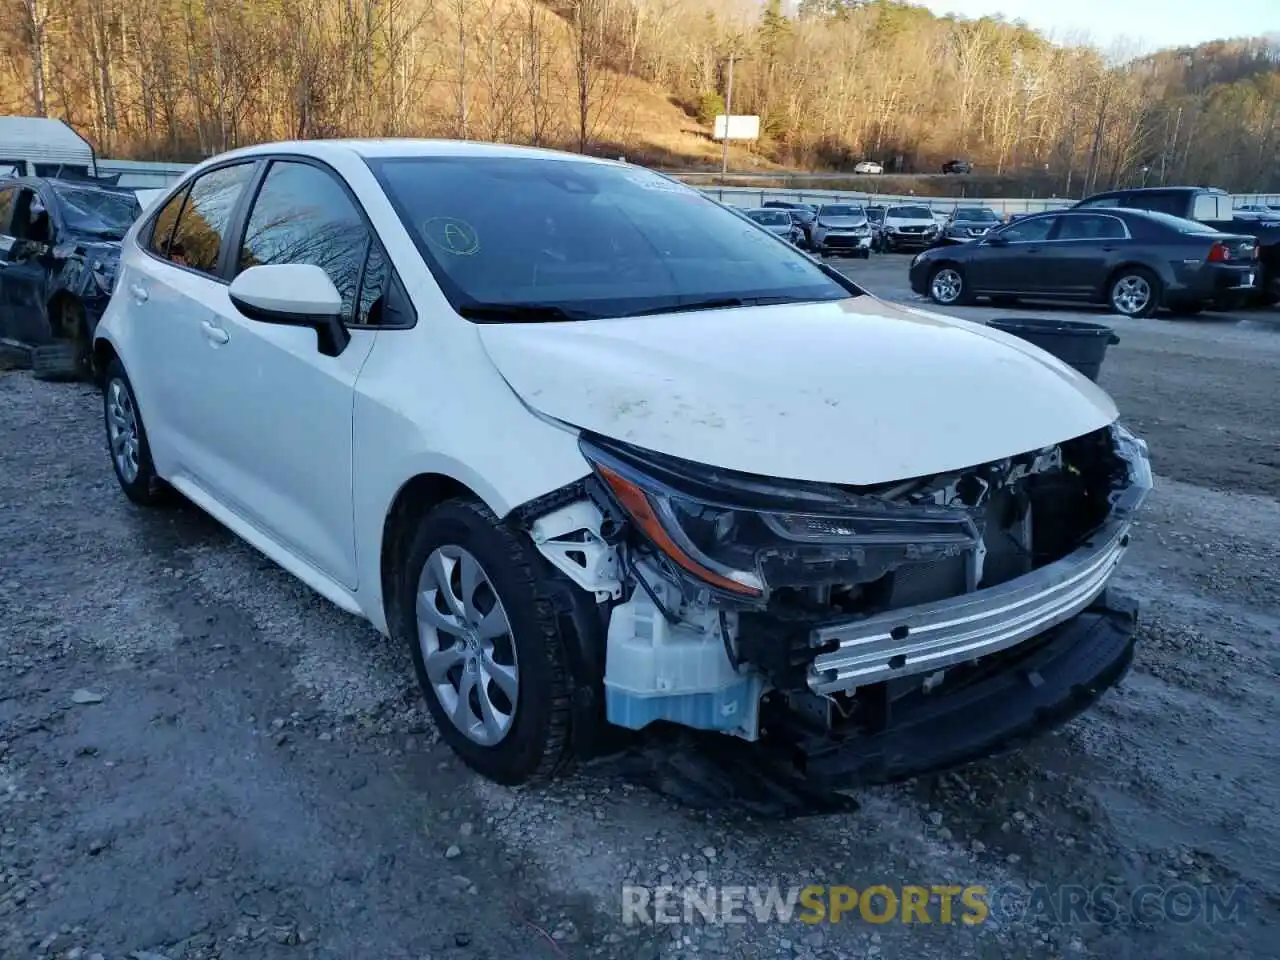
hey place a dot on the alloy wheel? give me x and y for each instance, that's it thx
(1131, 294)
(122, 429)
(467, 647)
(947, 285)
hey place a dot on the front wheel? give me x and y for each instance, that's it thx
(1134, 292)
(947, 286)
(485, 644)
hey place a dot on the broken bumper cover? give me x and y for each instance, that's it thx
(933, 636)
(1063, 675)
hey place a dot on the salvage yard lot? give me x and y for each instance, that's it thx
(259, 780)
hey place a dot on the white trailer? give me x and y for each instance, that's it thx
(44, 147)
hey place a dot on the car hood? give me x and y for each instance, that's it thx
(842, 221)
(910, 222)
(856, 391)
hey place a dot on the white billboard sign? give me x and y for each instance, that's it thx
(737, 127)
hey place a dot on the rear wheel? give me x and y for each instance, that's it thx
(947, 285)
(127, 440)
(485, 644)
(1134, 292)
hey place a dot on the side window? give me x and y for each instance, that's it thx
(1171, 203)
(31, 218)
(162, 228)
(1112, 201)
(6, 208)
(374, 286)
(302, 215)
(1031, 230)
(202, 224)
(1081, 227)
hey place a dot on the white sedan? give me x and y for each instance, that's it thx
(596, 450)
(868, 166)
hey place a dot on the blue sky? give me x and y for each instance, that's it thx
(1143, 24)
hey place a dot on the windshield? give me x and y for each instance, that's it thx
(976, 214)
(837, 210)
(98, 212)
(910, 213)
(565, 239)
(771, 218)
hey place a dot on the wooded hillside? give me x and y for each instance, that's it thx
(844, 80)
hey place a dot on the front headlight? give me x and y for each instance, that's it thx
(740, 534)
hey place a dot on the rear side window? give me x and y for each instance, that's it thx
(162, 228)
(202, 224)
(1082, 227)
(302, 215)
(1174, 204)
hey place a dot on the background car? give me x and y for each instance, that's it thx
(842, 228)
(957, 166)
(778, 222)
(1134, 261)
(968, 223)
(59, 247)
(908, 227)
(802, 213)
(868, 166)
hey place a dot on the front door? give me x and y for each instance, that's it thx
(277, 412)
(27, 261)
(1014, 263)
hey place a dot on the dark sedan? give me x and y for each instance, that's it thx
(1134, 261)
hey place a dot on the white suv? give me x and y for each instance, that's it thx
(598, 451)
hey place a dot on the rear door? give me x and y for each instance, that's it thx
(1014, 266)
(1081, 251)
(170, 291)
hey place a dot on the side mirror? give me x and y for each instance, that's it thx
(995, 240)
(293, 295)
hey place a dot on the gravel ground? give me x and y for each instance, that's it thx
(201, 759)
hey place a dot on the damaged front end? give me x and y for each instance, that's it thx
(876, 632)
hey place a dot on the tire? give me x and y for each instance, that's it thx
(864, 253)
(528, 736)
(1126, 296)
(947, 286)
(56, 362)
(135, 473)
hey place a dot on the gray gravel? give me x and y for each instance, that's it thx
(199, 758)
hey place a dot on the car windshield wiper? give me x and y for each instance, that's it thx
(522, 313)
(714, 303)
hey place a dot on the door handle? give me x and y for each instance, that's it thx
(139, 292)
(214, 332)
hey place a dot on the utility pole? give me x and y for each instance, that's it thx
(728, 115)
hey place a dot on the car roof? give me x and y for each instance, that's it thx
(407, 147)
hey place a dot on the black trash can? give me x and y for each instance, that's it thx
(1081, 344)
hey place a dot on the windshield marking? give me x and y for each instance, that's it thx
(451, 235)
